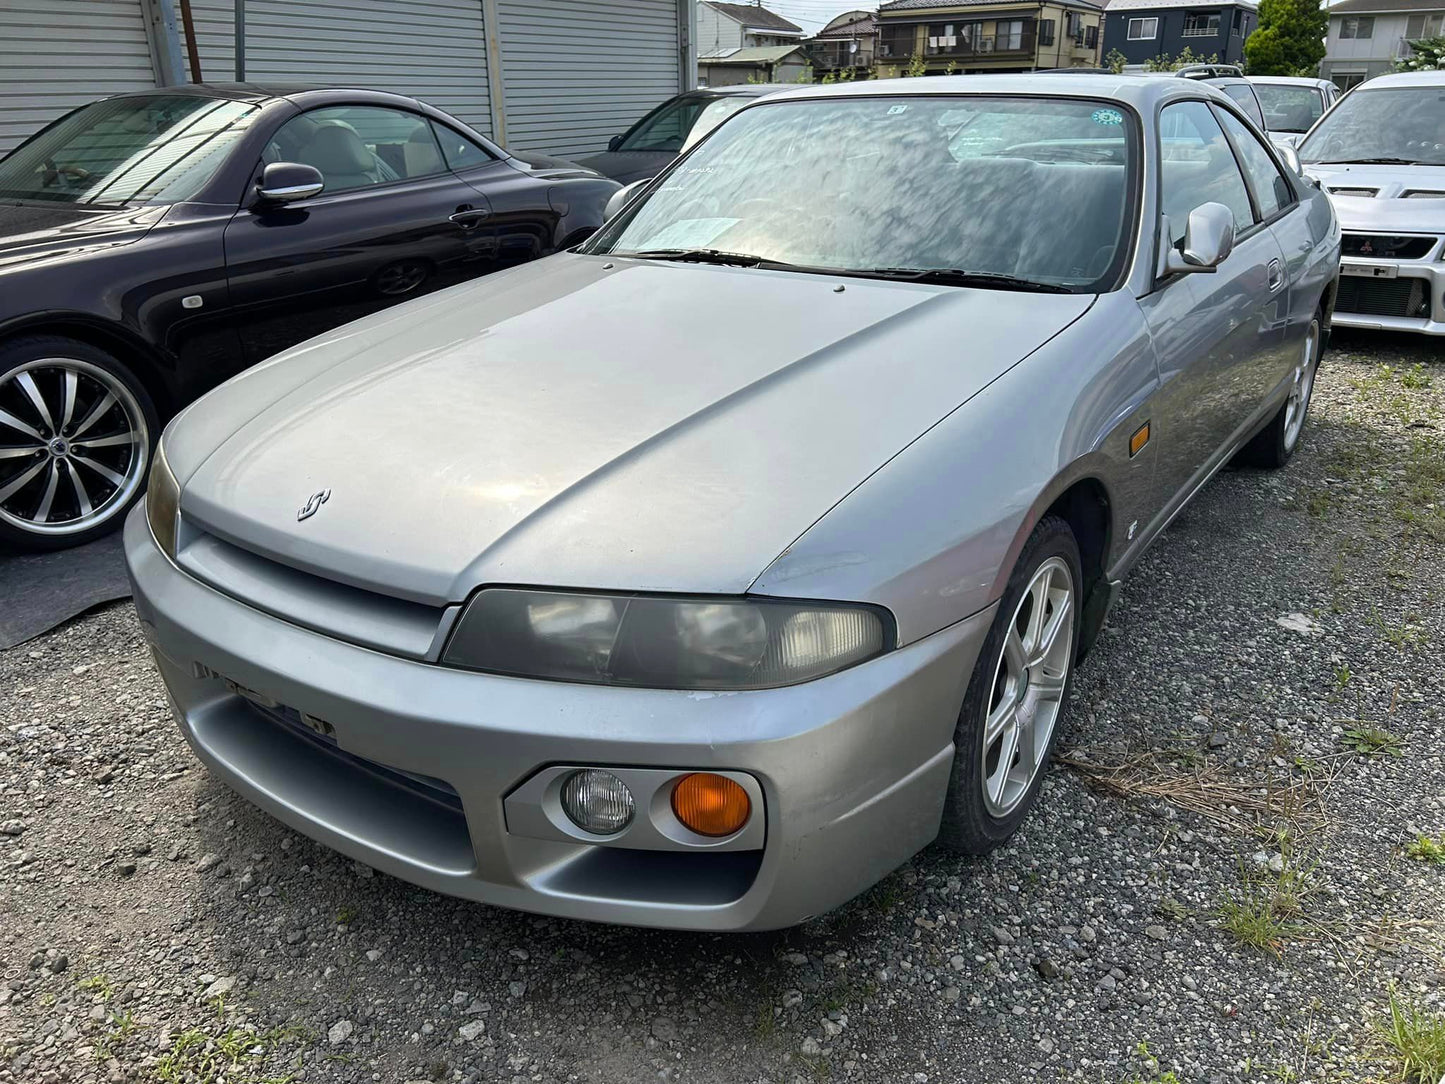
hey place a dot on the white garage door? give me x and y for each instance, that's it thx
(434, 50)
(578, 72)
(54, 57)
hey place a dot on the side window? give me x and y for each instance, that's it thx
(355, 146)
(1271, 190)
(458, 151)
(1196, 167)
(1247, 101)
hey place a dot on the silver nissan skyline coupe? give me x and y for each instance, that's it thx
(701, 575)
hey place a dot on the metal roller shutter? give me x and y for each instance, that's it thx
(577, 73)
(54, 57)
(434, 50)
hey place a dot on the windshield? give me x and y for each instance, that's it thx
(1030, 188)
(1289, 109)
(719, 111)
(1404, 124)
(665, 127)
(155, 149)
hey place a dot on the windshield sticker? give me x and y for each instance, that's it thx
(1109, 117)
(689, 233)
(894, 110)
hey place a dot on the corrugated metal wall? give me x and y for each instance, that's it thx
(54, 57)
(434, 50)
(579, 73)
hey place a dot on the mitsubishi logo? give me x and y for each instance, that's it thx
(313, 505)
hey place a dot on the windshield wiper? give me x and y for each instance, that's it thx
(952, 276)
(694, 255)
(1370, 162)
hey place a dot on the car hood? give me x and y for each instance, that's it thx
(586, 422)
(32, 230)
(1386, 210)
(628, 166)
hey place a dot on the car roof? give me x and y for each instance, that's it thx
(745, 90)
(1405, 79)
(1140, 91)
(298, 93)
(1289, 81)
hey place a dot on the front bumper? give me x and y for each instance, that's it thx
(1381, 299)
(852, 768)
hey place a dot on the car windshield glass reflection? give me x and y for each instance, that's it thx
(154, 149)
(1289, 109)
(665, 129)
(1398, 125)
(1018, 189)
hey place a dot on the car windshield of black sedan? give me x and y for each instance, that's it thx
(1019, 192)
(160, 148)
(1390, 125)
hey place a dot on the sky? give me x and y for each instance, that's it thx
(811, 15)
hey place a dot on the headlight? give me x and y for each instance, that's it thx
(163, 503)
(663, 643)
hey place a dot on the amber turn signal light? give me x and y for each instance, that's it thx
(710, 805)
(1138, 440)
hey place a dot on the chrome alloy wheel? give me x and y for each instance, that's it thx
(74, 445)
(1303, 383)
(1028, 687)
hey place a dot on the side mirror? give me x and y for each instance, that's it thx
(1208, 241)
(622, 197)
(287, 182)
(1290, 156)
(614, 143)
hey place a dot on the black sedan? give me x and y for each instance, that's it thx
(154, 244)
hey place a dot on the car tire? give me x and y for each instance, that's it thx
(1272, 447)
(1009, 722)
(77, 431)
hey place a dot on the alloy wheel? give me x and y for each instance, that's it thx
(1298, 403)
(73, 446)
(1028, 687)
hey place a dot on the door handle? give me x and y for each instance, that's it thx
(1276, 275)
(466, 216)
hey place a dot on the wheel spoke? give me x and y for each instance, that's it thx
(11, 421)
(21, 480)
(19, 453)
(1004, 717)
(1013, 651)
(1039, 592)
(27, 385)
(1060, 619)
(67, 410)
(42, 514)
(82, 495)
(105, 472)
(111, 442)
(96, 412)
(999, 779)
(1048, 686)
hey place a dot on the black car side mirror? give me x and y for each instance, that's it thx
(287, 182)
(614, 143)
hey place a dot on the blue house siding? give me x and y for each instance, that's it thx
(1171, 39)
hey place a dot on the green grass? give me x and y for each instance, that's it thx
(1427, 850)
(346, 916)
(1417, 1038)
(1268, 907)
(98, 984)
(1373, 741)
(1415, 377)
(1342, 676)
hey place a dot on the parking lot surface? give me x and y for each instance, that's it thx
(1224, 879)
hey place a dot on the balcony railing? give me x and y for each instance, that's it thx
(1201, 32)
(989, 45)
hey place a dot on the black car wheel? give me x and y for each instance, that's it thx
(76, 433)
(400, 278)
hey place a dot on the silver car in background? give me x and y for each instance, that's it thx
(1291, 105)
(1380, 154)
(702, 575)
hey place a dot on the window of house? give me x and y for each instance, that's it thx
(1198, 167)
(1009, 34)
(1201, 24)
(1143, 29)
(1237, 27)
(1347, 80)
(942, 38)
(1074, 25)
(895, 41)
(1091, 36)
(1424, 26)
(1357, 26)
(1046, 31)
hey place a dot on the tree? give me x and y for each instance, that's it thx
(1115, 61)
(1290, 39)
(1426, 55)
(916, 67)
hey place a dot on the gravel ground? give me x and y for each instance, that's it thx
(1219, 750)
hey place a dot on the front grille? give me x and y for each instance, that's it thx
(1385, 246)
(1383, 297)
(433, 790)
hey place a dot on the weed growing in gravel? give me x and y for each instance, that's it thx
(1268, 906)
(1415, 378)
(1426, 849)
(1151, 1063)
(1371, 741)
(1418, 1038)
(1342, 676)
(97, 984)
(346, 916)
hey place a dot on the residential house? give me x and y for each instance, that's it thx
(968, 36)
(746, 43)
(1145, 29)
(557, 76)
(847, 43)
(1367, 36)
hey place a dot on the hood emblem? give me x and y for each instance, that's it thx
(313, 505)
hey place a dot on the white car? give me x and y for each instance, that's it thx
(1380, 154)
(1292, 105)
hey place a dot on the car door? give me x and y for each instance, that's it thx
(393, 222)
(1212, 330)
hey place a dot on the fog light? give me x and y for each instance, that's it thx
(597, 802)
(710, 805)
